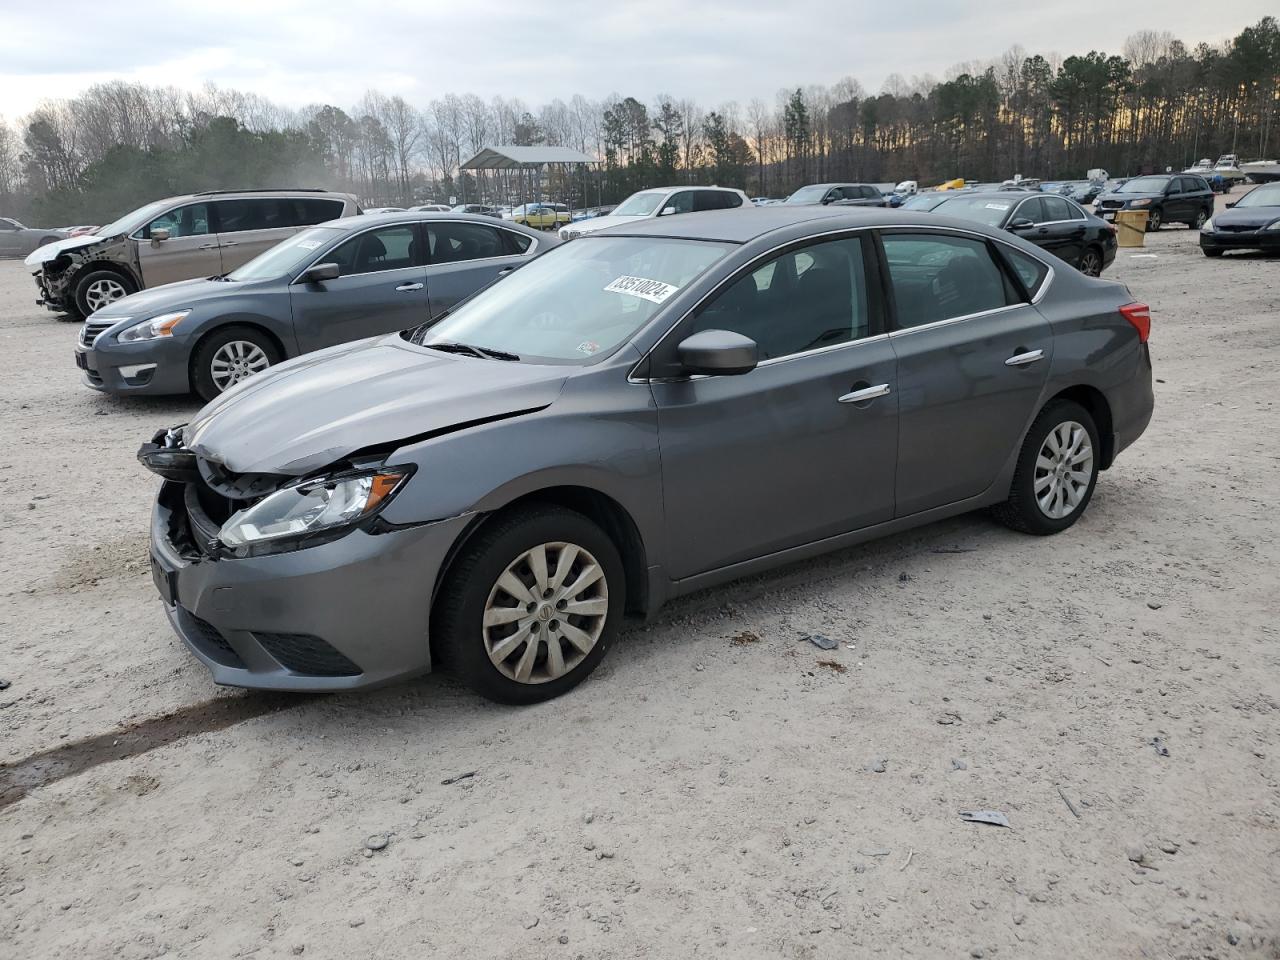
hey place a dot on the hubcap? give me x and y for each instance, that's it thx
(545, 613)
(235, 361)
(102, 292)
(1064, 468)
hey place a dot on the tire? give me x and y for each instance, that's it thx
(1155, 219)
(1023, 511)
(524, 671)
(1199, 221)
(98, 288)
(228, 356)
(1211, 252)
(1091, 262)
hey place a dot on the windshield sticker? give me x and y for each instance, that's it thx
(588, 347)
(307, 244)
(997, 206)
(654, 291)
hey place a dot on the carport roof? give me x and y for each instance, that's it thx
(513, 158)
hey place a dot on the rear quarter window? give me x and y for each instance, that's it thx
(1030, 271)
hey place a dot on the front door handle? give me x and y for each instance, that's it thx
(207, 246)
(1030, 356)
(405, 287)
(229, 243)
(866, 393)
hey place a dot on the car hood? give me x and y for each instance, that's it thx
(602, 223)
(42, 255)
(1129, 196)
(1249, 218)
(175, 296)
(307, 413)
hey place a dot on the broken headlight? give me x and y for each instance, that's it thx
(326, 505)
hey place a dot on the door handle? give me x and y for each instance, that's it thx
(866, 393)
(1030, 356)
(207, 246)
(230, 243)
(406, 287)
(504, 271)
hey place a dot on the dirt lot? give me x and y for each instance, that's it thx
(714, 790)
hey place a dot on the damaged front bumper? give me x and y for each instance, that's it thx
(343, 615)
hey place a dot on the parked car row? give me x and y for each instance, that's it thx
(18, 240)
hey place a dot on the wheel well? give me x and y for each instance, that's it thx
(108, 265)
(603, 510)
(257, 327)
(1093, 400)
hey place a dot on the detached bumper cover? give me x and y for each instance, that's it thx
(344, 615)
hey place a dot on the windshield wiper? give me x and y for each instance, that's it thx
(482, 352)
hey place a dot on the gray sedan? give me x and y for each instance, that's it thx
(330, 284)
(638, 414)
(17, 240)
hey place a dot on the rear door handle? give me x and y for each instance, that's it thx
(866, 393)
(1018, 359)
(405, 287)
(207, 246)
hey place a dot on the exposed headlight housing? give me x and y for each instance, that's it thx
(153, 329)
(318, 508)
(1273, 226)
(1207, 226)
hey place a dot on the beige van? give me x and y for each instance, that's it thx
(199, 235)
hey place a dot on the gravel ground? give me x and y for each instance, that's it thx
(717, 788)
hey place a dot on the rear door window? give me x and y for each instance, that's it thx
(259, 213)
(312, 210)
(940, 277)
(455, 241)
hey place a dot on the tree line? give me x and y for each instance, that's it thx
(1159, 103)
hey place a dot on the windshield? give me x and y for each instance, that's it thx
(922, 202)
(286, 256)
(1268, 196)
(131, 221)
(1144, 185)
(578, 301)
(808, 195)
(988, 210)
(639, 204)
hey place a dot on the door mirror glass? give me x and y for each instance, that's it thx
(158, 234)
(718, 352)
(1020, 223)
(320, 272)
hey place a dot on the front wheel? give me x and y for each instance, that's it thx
(1155, 219)
(100, 288)
(1056, 472)
(1200, 220)
(531, 606)
(229, 356)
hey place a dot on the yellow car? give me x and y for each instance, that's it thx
(957, 184)
(540, 216)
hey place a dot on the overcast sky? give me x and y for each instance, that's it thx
(714, 50)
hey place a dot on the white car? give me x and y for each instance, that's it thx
(431, 208)
(661, 202)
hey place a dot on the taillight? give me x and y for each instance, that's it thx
(1139, 314)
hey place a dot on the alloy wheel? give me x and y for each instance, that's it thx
(1091, 264)
(1201, 217)
(235, 361)
(102, 292)
(1153, 220)
(545, 613)
(1064, 470)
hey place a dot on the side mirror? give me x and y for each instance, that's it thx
(1020, 223)
(158, 234)
(718, 352)
(667, 211)
(828, 198)
(1232, 203)
(320, 272)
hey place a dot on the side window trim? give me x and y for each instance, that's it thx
(419, 236)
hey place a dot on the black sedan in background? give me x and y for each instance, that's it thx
(1251, 223)
(1052, 222)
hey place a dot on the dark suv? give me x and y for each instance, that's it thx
(839, 195)
(1178, 197)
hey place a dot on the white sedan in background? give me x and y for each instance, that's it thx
(661, 202)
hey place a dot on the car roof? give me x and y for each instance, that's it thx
(414, 216)
(999, 194)
(254, 194)
(743, 226)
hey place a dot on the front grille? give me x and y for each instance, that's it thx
(305, 654)
(1111, 204)
(90, 331)
(208, 640)
(1234, 228)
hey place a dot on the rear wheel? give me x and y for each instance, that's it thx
(1155, 219)
(1091, 262)
(1056, 473)
(99, 288)
(530, 607)
(229, 356)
